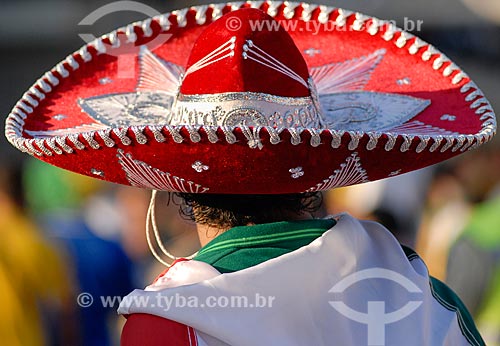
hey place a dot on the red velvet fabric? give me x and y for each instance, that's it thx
(237, 168)
(238, 74)
(150, 330)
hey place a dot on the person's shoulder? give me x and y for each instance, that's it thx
(450, 301)
(410, 253)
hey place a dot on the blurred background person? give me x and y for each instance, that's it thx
(473, 267)
(35, 288)
(78, 216)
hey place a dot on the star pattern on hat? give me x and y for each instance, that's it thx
(345, 105)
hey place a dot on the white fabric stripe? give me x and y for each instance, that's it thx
(189, 336)
(309, 274)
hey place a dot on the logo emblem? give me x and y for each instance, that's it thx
(376, 318)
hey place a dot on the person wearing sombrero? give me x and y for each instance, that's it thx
(248, 123)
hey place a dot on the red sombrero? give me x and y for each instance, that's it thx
(186, 102)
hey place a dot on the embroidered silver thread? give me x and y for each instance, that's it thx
(139, 135)
(229, 135)
(84, 53)
(391, 141)
(37, 93)
(323, 15)
(62, 70)
(253, 137)
(336, 138)
(485, 134)
(40, 143)
(469, 143)
(146, 27)
(99, 46)
(104, 134)
(176, 136)
(51, 143)
(460, 142)
(70, 60)
(201, 15)
(130, 33)
(45, 86)
(51, 78)
(31, 148)
(315, 140)
(121, 133)
(181, 17)
(295, 140)
(73, 138)
(407, 140)
(355, 137)
(372, 142)
(296, 172)
(159, 137)
(88, 136)
(214, 56)
(30, 100)
(62, 143)
(199, 167)
(274, 134)
(437, 142)
(424, 141)
(97, 172)
(211, 133)
(193, 133)
(253, 52)
(448, 144)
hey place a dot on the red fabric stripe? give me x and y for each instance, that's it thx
(150, 330)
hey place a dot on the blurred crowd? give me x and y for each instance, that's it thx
(64, 235)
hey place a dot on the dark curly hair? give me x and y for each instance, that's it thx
(227, 211)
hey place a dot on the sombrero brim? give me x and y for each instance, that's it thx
(394, 104)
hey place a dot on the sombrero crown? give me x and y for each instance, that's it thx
(272, 98)
(248, 77)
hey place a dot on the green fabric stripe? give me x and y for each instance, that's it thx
(410, 253)
(243, 247)
(231, 260)
(251, 239)
(247, 233)
(448, 299)
(259, 241)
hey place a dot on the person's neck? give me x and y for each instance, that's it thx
(207, 233)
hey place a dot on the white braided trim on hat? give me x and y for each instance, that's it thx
(68, 143)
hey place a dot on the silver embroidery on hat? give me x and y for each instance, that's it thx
(350, 172)
(337, 99)
(142, 175)
(296, 172)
